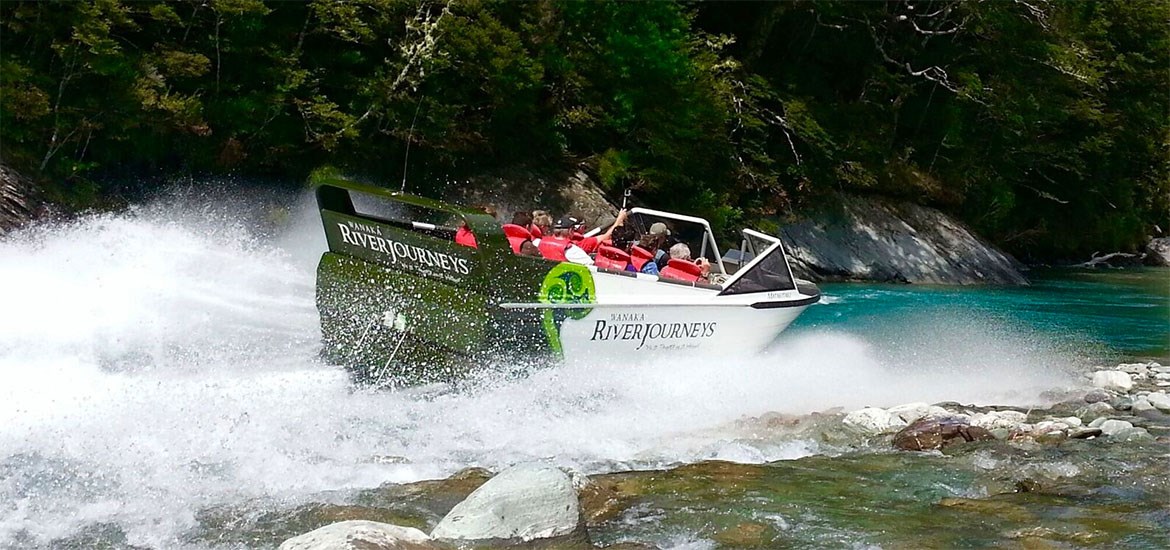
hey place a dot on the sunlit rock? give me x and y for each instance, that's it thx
(873, 421)
(934, 433)
(998, 419)
(1110, 427)
(1159, 400)
(1158, 252)
(528, 501)
(361, 535)
(913, 411)
(1113, 380)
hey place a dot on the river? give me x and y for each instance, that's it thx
(158, 367)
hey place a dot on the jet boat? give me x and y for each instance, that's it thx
(400, 299)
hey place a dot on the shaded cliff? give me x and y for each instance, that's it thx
(875, 239)
(19, 200)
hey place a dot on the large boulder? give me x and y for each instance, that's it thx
(856, 238)
(525, 502)
(1158, 252)
(934, 433)
(361, 535)
(559, 192)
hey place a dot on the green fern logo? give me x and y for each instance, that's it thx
(567, 283)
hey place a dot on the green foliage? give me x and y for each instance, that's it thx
(1044, 124)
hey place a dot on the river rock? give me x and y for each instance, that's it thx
(1141, 404)
(526, 502)
(934, 433)
(992, 420)
(1158, 252)
(865, 238)
(1084, 433)
(1113, 380)
(361, 535)
(1131, 433)
(910, 412)
(1159, 400)
(1095, 410)
(873, 421)
(1110, 427)
(1097, 395)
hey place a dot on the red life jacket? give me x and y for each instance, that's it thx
(536, 233)
(553, 248)
(611, 257)
(683, 270)
(465, 237)
(639, 256)
(516, 236)
(588, 244)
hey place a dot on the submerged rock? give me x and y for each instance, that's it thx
(526, 502)
(361, 535)
(934, 433)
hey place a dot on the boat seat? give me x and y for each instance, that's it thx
(516, 236)
(612, 258)
(639, 256)
(683, 270)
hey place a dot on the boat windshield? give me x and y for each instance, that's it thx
(768, 271)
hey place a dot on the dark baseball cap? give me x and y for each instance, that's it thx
(567, 222)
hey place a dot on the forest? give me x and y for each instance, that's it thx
(1045, 125)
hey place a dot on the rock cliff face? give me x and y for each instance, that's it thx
(18, 201)
(872, 239)
(568, 192)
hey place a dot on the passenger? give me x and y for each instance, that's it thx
(520, 236)
(591, 244)
(642, 254)
(559, 247)
(464, 236)
(660, 232)
(681, 251)
(541, 225)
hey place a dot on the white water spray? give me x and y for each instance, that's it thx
(162, 361)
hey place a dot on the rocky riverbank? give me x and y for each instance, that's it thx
(1086, 469)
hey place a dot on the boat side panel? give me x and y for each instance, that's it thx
(364, 307)
(636, 333)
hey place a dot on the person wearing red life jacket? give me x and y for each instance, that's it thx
(465, 237)
(559, 246)
(520, 236)
(591, 243)
(698, 270)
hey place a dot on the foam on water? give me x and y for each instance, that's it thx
(164, 360)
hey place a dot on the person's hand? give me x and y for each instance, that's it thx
(704, 266)
(621, 218)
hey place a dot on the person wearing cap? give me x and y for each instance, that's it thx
(560, 247)
(591, 244)
(657, 243)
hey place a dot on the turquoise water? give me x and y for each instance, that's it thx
(1092, 315)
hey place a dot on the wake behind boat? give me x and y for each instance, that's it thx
(399, 298)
